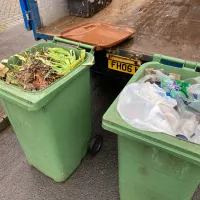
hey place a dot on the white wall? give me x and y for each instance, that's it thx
(52, 10)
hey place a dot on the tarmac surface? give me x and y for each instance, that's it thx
(95, 179)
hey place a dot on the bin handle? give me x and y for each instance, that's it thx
(167, 60)
(176, 62)
(89, 61)
(78, 44)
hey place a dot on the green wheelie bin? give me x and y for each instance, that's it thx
(53, 125)
(155, 165)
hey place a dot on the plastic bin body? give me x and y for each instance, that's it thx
(149, 173)
(154, 165)
(53, 125)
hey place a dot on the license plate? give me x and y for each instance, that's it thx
(122, 64)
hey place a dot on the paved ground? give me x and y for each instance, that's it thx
(10, 14)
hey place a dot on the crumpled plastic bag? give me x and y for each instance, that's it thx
(193, 81)
(188, 125)
(196, 136)
(193, 100)
(155, 76)
(145, 106)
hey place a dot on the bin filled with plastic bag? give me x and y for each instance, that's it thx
(156, 118)
(161, 102)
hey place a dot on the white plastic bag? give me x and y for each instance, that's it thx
(188, 124)
(145, 106)
(193, 101)
(193, 80)
(196, 136)
(194, 91)
(155, 76)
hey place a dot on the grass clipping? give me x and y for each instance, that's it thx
(34, 71)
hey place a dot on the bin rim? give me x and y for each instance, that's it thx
(34, 100)
(113, 122)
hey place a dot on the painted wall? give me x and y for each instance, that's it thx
(52, 10)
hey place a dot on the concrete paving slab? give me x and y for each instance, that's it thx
(10, 14)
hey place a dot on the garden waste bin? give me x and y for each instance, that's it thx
(155, 165)
(53, 125)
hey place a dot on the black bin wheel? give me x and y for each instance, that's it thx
(95, 145)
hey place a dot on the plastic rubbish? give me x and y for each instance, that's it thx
(160, 74)
(195, 105)
(152, 75)
(181, 101)
(193, 80)
(150, 71)
(173, 107)
(152, 78)
(146, 107)
(175, 76)
(173, 86)
(195, 138)
(194, 91)
(188, 124)
(158, 95)
(193, 100)
(187, 104)
(185, 94)
(198, 130)
(194, 97)
(182, 137)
